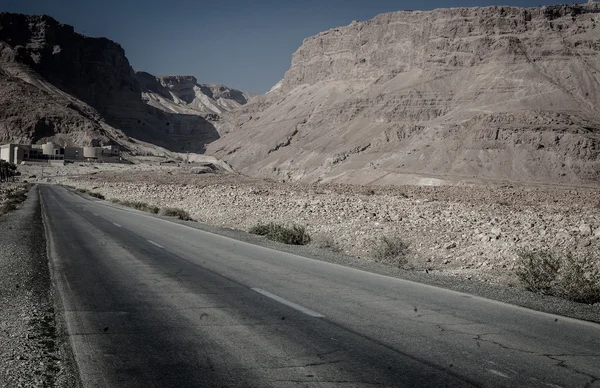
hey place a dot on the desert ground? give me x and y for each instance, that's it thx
(472, 232)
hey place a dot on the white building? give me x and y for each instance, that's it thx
(17, 153)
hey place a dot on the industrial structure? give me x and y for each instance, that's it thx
(53, 153)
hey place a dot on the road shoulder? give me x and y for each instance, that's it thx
(34, 350)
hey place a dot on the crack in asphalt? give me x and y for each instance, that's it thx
(554, 357)
(563, 364)
(479, 338)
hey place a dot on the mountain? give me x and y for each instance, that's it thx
(59, 85)
(450, 95)
(183, 94)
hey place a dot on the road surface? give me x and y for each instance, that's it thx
(152, 303)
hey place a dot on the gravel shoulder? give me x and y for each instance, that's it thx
(512, 295)
(34, 350)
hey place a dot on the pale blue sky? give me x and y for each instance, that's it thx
(241, 43)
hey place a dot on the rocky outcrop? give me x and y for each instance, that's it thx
(32, 110)
(427, 97)
(95, 70)
(183, 94)
(93, 83)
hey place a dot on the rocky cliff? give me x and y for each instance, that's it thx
(184, 94)
(87, 91)
(465, 94)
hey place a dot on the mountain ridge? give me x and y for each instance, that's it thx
(427, 97)
(89, 93)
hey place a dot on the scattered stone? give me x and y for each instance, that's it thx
(496, 232)
(585, 229)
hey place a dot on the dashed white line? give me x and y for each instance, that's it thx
(153, 243)
(96, 214)
(117, 225)
(289, 304)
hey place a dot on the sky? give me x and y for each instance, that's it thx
(244, 44)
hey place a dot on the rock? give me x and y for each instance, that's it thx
(585, 243)
(496, 232)
(450, 245)
(585, 229)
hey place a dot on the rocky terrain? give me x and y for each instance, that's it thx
(183, 94)
(60, 85)
(462, 231)
(431, 97)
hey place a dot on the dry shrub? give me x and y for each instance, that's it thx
(293, 235)
(96, 195)
(175, 212)
(573, 277)
(538, 270)
(143, 206)
(327, 242)
(391, 250)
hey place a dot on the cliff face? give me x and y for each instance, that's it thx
(89, 80)
(185, 95)
(95, 70)
(500, 93)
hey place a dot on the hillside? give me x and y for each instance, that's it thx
(63, 86)
(450, 95)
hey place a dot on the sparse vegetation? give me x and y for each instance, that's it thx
(143, 206)
(82, 191)
(13, 198)
(292, 235)
(327, 242)
(8, 171)
(572, 277)
(175, 212)
(96, 195)
(391, 250)
(538, 270)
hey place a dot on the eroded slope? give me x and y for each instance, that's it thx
(498, 93)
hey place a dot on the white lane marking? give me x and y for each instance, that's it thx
(498, 373)
(96, 214)
(153, 243)
(117, 225)
(289, 304)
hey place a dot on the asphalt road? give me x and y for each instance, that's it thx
(152, 303)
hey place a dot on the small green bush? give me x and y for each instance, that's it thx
(175, 212)
(83, 191)
(538, 270)
(96, 195)
(391, 250)
(293, 235)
